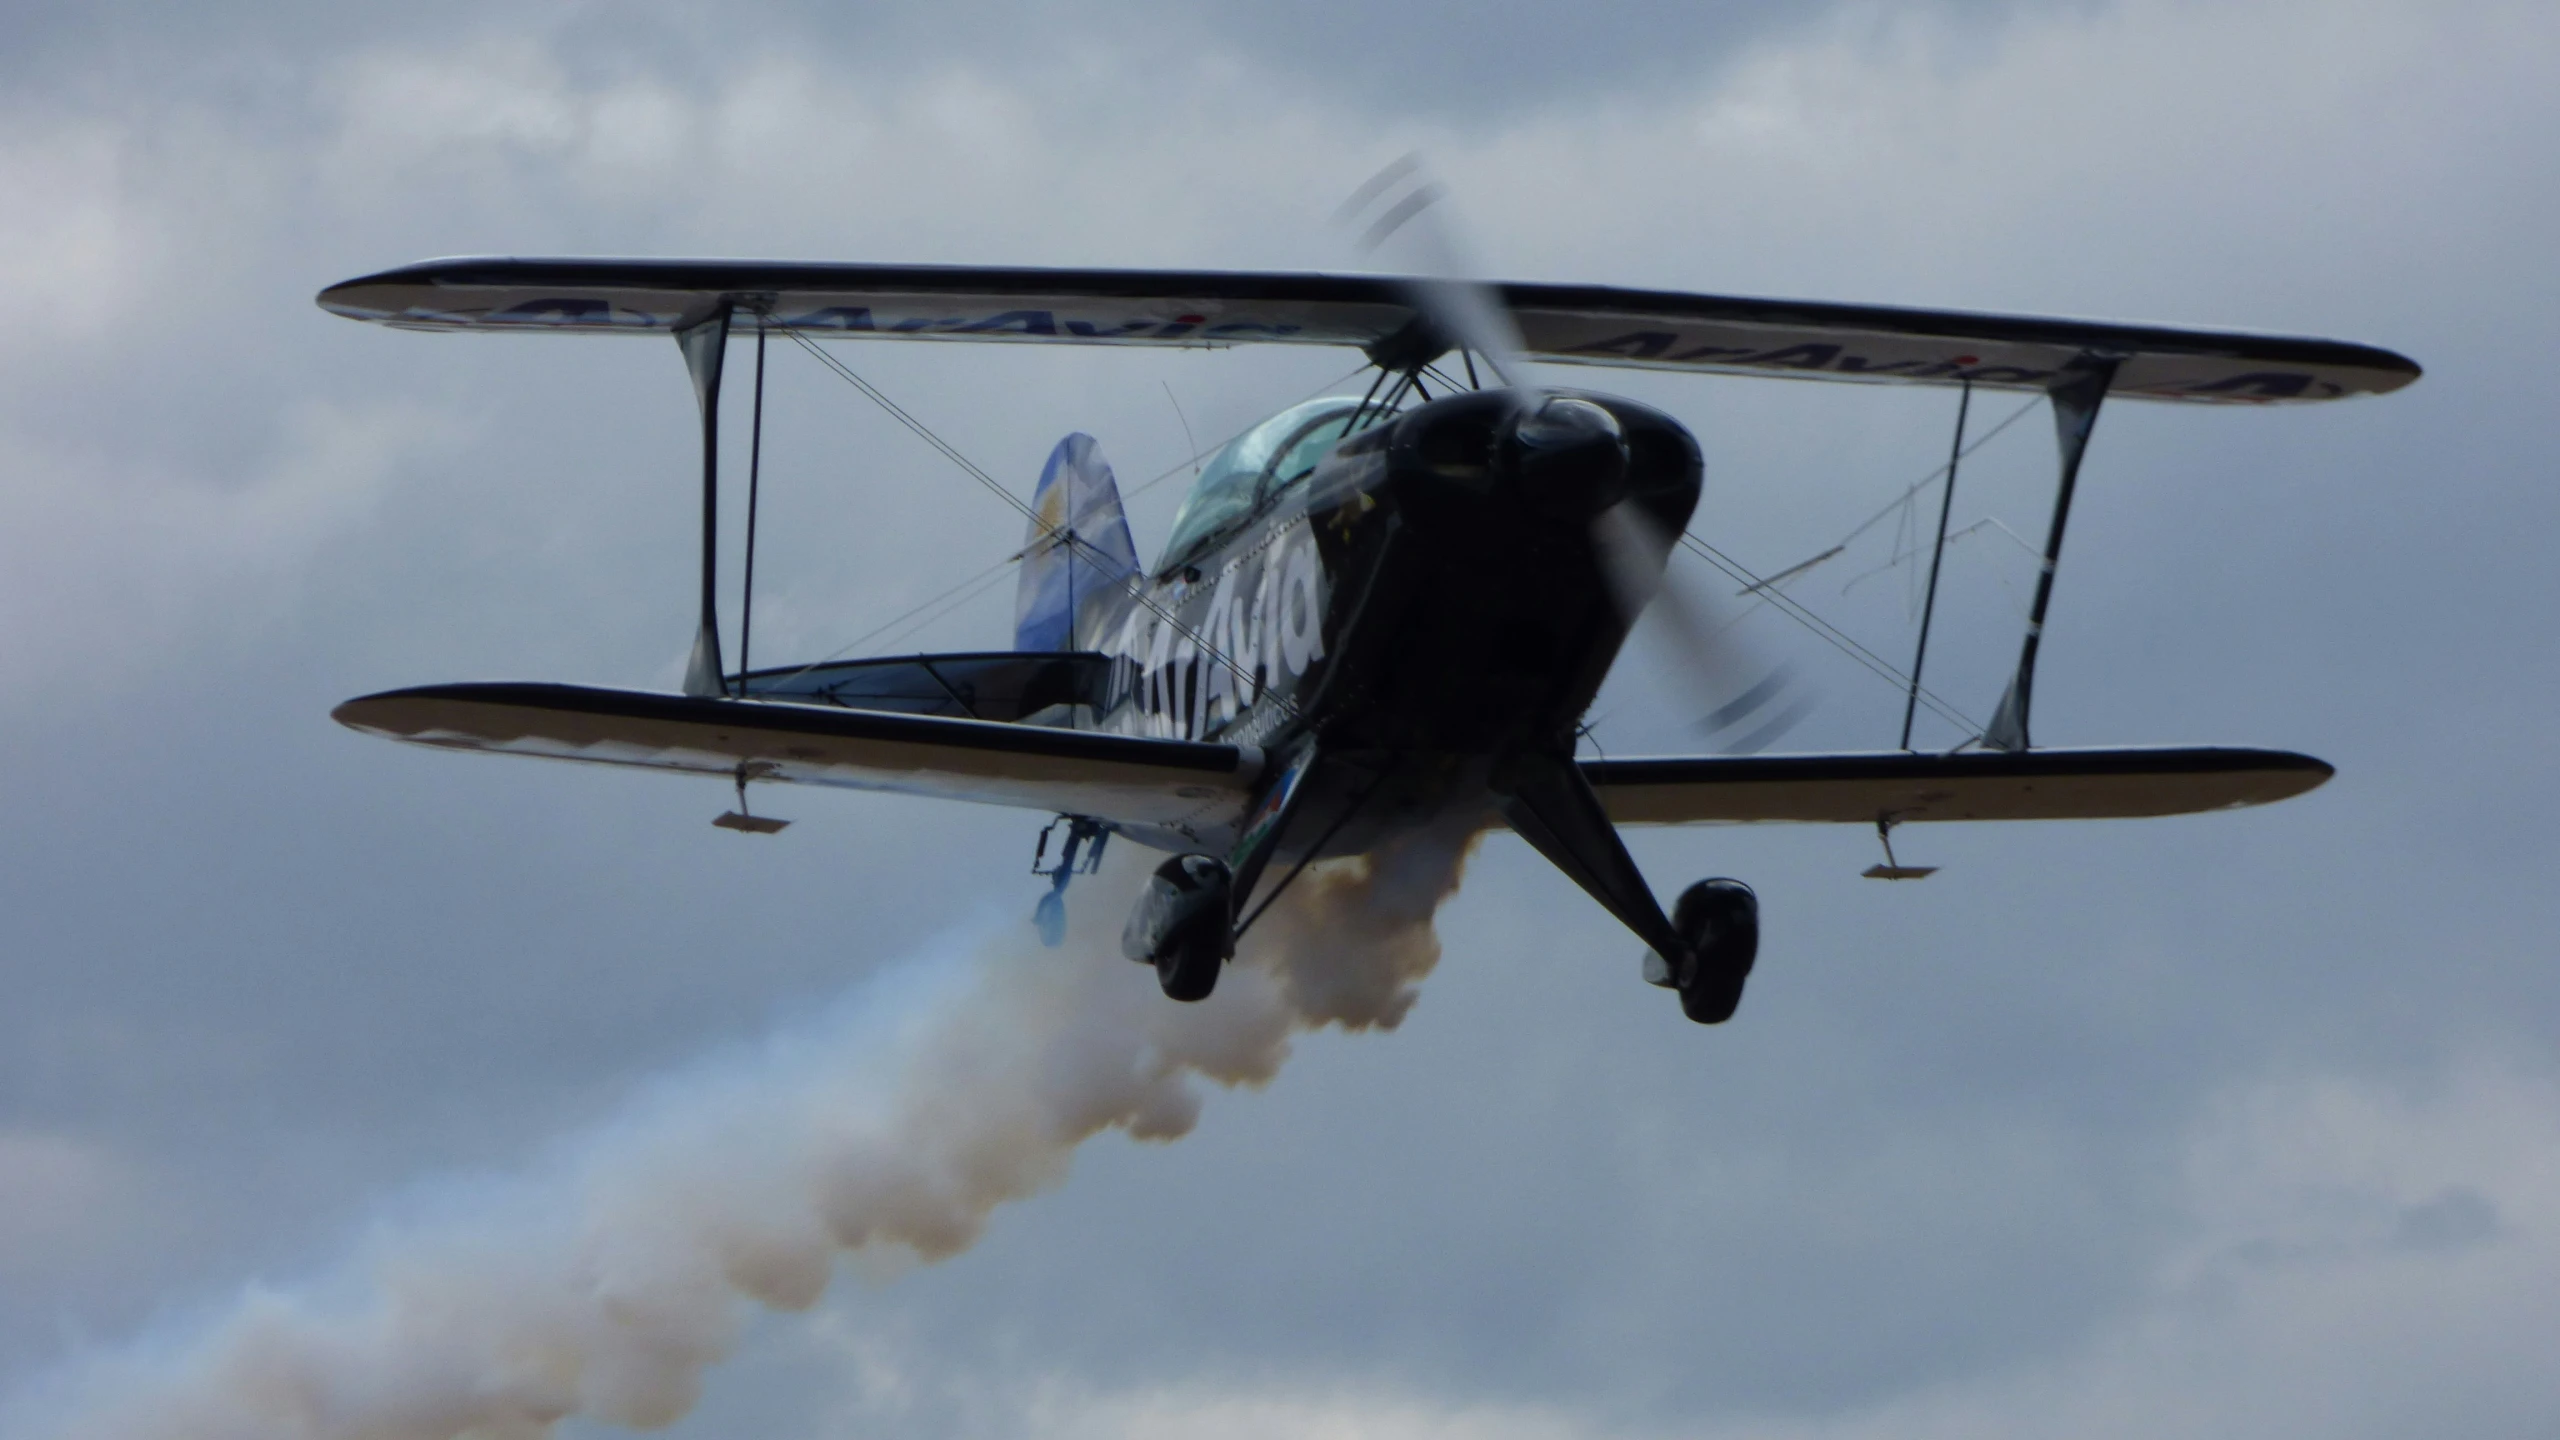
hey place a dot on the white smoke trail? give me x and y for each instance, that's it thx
(606, 1285)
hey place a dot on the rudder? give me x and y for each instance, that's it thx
(1077, 550)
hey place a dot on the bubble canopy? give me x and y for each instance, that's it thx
(1250, 473)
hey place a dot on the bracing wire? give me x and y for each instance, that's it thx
(1766, 589)
(975, 583)
(1987, 522)
(1192, 461)
(1133, 583)
(1898, 502)
(921, 430)
(1188, 442)
(949, 600)
(1831, 634)
(974, 589)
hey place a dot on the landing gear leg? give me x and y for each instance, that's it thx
(1185, 923)
(1704, 949)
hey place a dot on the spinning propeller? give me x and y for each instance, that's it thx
(1570, 443)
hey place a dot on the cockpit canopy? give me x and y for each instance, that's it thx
(1253, 472)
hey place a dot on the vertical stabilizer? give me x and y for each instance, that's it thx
(1077, 552)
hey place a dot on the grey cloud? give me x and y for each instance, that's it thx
(1477, 66)
(2455, 1220)
(289, 971)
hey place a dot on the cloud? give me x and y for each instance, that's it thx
(1927, 1181)
(197, 555)
(69, 249)
(603, 1286)
(2356, 1259)
(61, 1198)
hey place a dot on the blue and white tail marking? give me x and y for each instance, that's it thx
(1077, 552)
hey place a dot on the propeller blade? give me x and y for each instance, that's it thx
(1400, 210)
(1634, 552)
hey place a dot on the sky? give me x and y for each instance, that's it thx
(2231, 1124)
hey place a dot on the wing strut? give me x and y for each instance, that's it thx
(705, 343)
(1929, 607)
(2075, 397)
(755, 468)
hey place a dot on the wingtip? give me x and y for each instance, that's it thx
(362, 714)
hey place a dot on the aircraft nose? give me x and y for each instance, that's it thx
(1570, 456)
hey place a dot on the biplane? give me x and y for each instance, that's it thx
(1375, 612)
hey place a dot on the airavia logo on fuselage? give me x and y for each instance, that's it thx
(1259, 626)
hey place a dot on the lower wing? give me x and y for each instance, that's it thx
(1191, 788)
(1898, 786)
(1176, 785)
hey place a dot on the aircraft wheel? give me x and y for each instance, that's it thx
(1182, 924)
(1189, 972)
(1720, 919)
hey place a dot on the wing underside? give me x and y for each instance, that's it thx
(1178, 786)
(1897, 786)
(1569, 324)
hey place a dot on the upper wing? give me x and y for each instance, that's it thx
(1177, 785)
(1977, 785)
(1573, 324)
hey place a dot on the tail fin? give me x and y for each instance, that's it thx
(1078, 551)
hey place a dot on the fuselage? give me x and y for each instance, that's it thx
(1418, 599)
